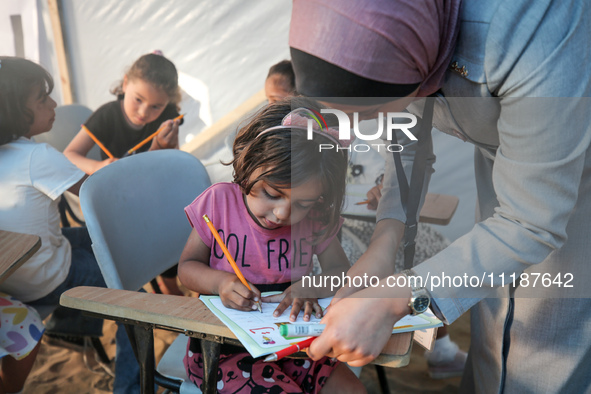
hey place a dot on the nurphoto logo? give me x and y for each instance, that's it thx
(393, 122)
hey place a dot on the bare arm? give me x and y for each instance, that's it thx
(77, 150)
(378, 260)
(379, 307)
(196, 274)
(334, 263)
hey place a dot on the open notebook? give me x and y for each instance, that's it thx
(259, 332)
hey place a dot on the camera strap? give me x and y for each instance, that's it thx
(410, 194)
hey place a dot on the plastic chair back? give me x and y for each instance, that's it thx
(134, 211)
(68, 119)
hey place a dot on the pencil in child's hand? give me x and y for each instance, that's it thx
(96, 141)
(230, 258)
(129, 152)
(364, 202)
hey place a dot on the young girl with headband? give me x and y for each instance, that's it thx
(282, 208)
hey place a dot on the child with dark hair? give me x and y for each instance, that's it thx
(33, 177)
(147, 99)
(280, 82)
(282, 208)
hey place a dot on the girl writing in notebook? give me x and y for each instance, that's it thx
(282, 208)
(147, 101)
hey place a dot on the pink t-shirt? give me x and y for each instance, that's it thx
(264, 256)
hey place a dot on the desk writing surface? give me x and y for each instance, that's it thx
(184, 313)
(437, 208)
(15, 249)
(187, 314)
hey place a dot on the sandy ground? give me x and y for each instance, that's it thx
(63, 371)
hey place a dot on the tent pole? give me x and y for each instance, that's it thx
(60, 50)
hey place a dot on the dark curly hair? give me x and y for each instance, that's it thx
(284, 69)
(290, 159)
(18, 80)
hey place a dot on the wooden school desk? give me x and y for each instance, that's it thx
(185, 315)
(15, 249)
(437, 208)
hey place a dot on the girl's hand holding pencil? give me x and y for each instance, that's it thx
(236, 295)
(232, 291)
(168, 135)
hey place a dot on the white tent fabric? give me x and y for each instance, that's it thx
(16, 18)
(222, 49)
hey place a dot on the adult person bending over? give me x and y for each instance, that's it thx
(512, 63)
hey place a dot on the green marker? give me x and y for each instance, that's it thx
(301, 330)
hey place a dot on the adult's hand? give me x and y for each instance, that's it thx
(358, 327)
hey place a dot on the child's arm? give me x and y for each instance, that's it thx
(195, 273)
(77, 150)
(167, 138)
(334, 262)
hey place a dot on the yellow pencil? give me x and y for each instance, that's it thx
(362, 202)
(230, 258)
(129, 152)
(96, 141)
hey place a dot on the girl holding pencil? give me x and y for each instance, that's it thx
(146, 106)
(144, 117)
(282, 208)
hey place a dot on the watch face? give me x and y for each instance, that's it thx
(421, 304)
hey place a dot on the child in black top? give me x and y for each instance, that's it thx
(147, 99)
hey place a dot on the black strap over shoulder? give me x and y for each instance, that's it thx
(410, 195)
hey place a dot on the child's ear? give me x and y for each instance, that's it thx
(124, 85)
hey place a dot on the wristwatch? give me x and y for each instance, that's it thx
(420, 298)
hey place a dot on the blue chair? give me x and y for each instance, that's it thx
(134, 211)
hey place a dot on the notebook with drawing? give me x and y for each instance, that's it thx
(259, 332)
